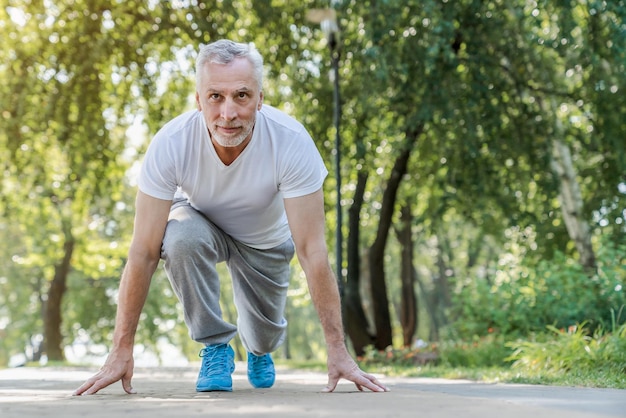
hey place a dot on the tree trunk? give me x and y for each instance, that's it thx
(53, 339)
(441, 290)
(428, 299)
(355, 321)
(444, 265)
(380, 301)
(571, 201)
(408, 301)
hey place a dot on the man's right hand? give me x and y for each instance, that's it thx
(119, 365)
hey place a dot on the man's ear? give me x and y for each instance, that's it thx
(198, 101)
(260, 101)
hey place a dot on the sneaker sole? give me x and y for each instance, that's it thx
(265, 386)
(214, 389)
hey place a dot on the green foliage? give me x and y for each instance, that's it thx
(574, 352)
(570, 349)
(479, 352)
(575, 357)
(525, 296)
(305, 340)
(64, 112)
(399, 361)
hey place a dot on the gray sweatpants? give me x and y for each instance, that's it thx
(192, 247)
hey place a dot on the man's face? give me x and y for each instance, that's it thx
(228, 97)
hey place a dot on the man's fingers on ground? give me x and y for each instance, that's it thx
(80, 390)
(98, 384)
(372, 386)
(372, 383)
(85, 386)
(332, 384)
(128, 387)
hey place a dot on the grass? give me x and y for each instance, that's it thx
(579, 378)
(574, 357)
(596, 378)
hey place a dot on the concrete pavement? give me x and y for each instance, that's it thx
(170, 392)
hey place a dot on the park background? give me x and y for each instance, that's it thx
(481, 179)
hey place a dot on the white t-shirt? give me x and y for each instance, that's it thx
(245, 198)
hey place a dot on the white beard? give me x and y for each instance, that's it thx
(233, 141)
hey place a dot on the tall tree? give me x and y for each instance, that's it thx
(70, 87)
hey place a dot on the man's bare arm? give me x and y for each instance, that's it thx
(307, 224)
(143, 257)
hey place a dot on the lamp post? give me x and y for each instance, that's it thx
(327, 19)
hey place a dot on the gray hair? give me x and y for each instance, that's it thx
(224, 52)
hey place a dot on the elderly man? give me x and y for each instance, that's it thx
(240, 182)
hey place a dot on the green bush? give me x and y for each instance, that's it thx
(526, 296)
(613, 352)
(479, 352)
(489, 351)
(572, 351)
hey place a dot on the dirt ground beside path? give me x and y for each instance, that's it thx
(170, 392)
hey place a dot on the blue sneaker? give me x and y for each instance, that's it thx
(261, 372)
(218, 363)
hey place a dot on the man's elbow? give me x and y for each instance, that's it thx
(312, 257)
(143, 256)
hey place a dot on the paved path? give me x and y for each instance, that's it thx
(169, 392)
